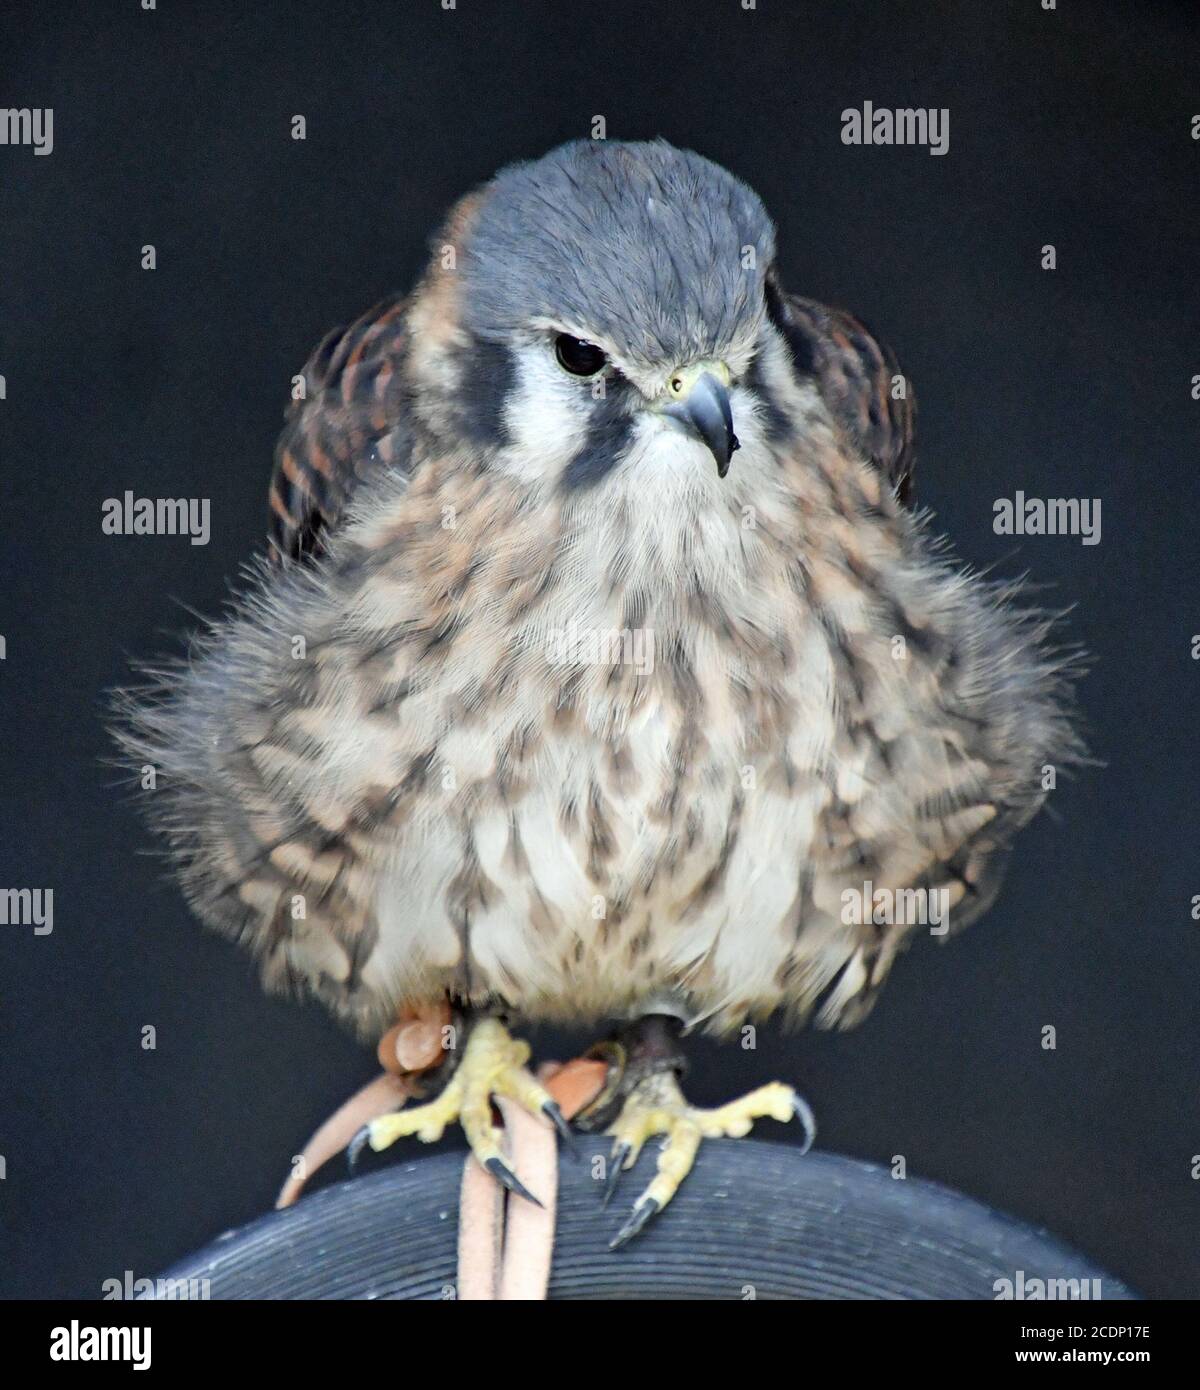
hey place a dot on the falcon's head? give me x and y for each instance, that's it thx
(603, 322)
(584, 310)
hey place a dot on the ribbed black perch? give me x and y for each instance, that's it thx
(752, 1220)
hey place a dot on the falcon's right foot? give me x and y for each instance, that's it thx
(493, 1064)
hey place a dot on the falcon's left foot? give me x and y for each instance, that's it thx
(646, 1064)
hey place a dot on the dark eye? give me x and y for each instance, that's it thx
(577, 357)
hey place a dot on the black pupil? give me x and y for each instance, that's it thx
(578, 357)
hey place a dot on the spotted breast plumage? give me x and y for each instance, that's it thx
(601, 664)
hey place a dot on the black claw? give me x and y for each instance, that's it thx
(355, 1147)
(803, 1112)
(616, 1167)
(640, 1215)
(507, 1178)
(559, 1121)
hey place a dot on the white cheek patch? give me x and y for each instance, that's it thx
(546, 415)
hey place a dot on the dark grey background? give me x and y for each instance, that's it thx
(1071, 127)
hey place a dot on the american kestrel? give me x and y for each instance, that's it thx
(602, 668)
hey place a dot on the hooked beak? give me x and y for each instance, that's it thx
(700, 400)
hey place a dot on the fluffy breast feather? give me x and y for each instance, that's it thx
(380, 777)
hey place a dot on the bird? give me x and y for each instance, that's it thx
(600, 669)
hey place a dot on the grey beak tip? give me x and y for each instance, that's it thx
(707, 413)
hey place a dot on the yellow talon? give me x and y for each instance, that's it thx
(493, 1064)
(656, 1105)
